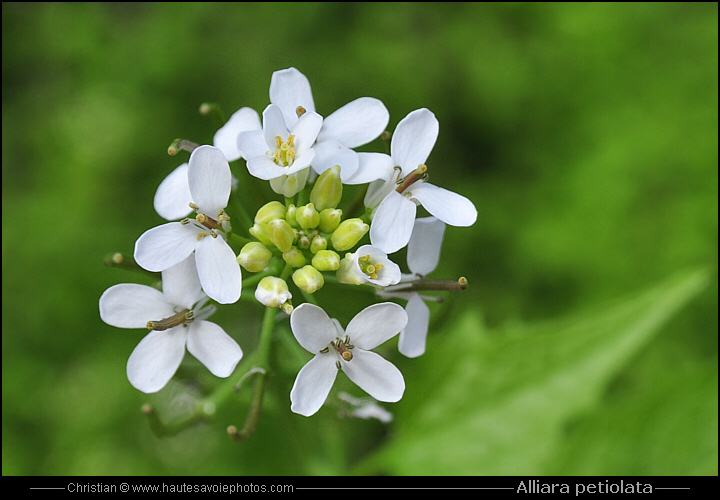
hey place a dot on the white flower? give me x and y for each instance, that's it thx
(423, 254)
(368, 265)
(348, 351)
(177, 318)
(394, 206)
(353, 125)
(278, 150)
(162, 247)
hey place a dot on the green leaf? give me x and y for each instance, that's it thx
(500, 403)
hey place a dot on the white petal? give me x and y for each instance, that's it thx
(375, 324)
(356, 123)
(218, 270)
(289, 89)
(312, 327)
(274, 126)
(392, 222)
(306, 131)
(301, 162)
(213, 347)
(252, 144)
(449, 207)
(378, 189)
(226, 138)
(371, 166)
(414, 139)
(172, 198)
(156, 359)
(181, 285)
(329, 153)
(313, 384)
(375, 375)
(412, 338)
(131, 306)
(164, 246)
(423, 251)
(264, 168)
(210, 179)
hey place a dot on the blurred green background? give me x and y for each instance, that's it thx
(585, 134)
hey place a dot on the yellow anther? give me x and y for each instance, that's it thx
(368, 268)
(201, 235)
(194, 206)
(284, 154)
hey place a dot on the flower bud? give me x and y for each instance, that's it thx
(281, 234)
(260, 231)
(307, 216)
(318, 243)
(326, 260)
(272, 292)
(294, 258)
(254, 256)
(303, 241)
(290, 185)
(348, 234)
(270, 211)
(329, 220)
(308, 279)
(327, 191)
(290, 215)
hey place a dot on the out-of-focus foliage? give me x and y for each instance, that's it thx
(585, 134)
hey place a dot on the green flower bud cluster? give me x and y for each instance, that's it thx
(307, 238)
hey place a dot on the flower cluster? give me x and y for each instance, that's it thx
(295, 245)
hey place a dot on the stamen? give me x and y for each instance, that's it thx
(284, 154)
(201, 235)
(369, 268)
(194, 206)
(300, 111)
(182, 318)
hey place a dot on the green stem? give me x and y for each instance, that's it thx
(257, 365)
(258, 391)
